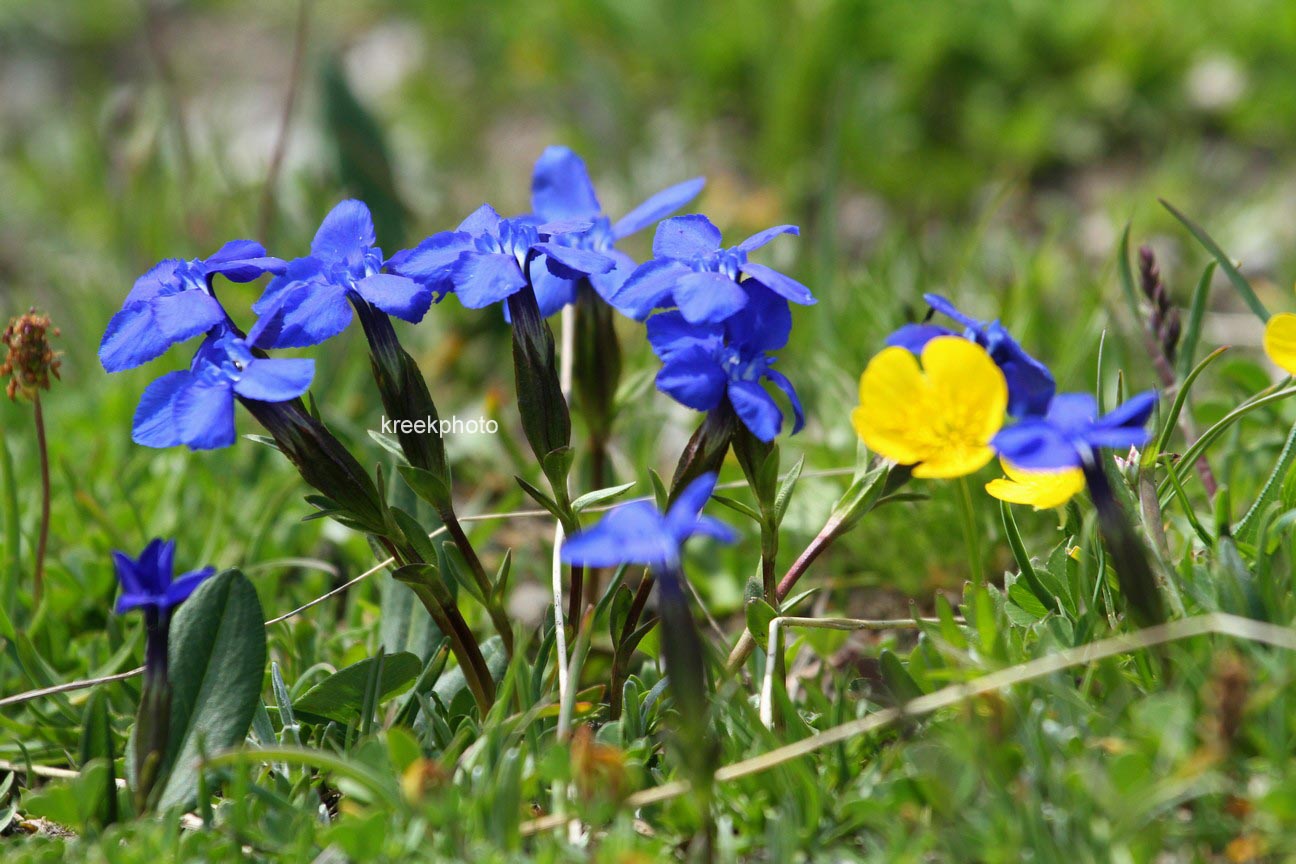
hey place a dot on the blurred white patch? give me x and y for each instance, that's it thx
(1215, 83)
(381, 59)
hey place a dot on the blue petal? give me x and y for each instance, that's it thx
(484, 278)
(1072, 413)
(568, 262)
(132, 338)
(155, 419)
(1117, 438)
(184, 585)
(609, 283)
(433, 258)
(1133, 412)
(781, 381)
(561, 187)
(682, 515)
(764, 324)
(243, 261)
(760, 238)
(552, 292)
(164, 277)
(347, 230)
(1036, 445)
(913, 337)
(686, 237)
(300, 270)
(633, 533)
(705, 297)
(949, 310)
(784, 286)
(183, 316)
(396, 295)
(483, 220)
(128, 575)
(158, 563)
(275, 380)
(649, 287)
(709, 526)
(756, 409)
(657, 207)
(130, 600)
(307, 315)
(205, 414)
(694, 378)
(669, 333)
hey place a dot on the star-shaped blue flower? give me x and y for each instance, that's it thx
(638, 533)
(195, 407)
(705, 364)
(1068, 435)
(486, 259)
(147, 582)
(174, 301)
(1030, 383)
(313, 296)
(561, 190)
(690, 270)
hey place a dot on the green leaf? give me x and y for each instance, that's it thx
(589, 499)
(1023, 598)
(785, 490)
(759, 616)
(97, 743)
(737, 506)
(660, 493)
(217, 660)
(426, 485)
(390, 444)
(897, 679)
(499, 587)
(1196, 315)
(540, 498)
(1234, 275)
(453, 563)
(340, 696)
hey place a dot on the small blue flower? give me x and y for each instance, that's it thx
(561, 189)
(705, 364)
(1071, 431)
(195, 407)
(637, 533)
(147, 582)
(484, 261)
(1030, 383)
(313, 295)
(690, 271)
(175, 301)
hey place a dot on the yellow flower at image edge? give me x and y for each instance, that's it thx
(1043, 490)
(1280, 341)
(938, 417)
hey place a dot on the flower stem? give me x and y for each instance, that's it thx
(968, 513)
(43, 538)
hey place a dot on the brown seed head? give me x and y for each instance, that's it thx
(29, 360)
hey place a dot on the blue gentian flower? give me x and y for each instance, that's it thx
(705, 364)
(561, 190)
(1071, 431)
(147, 582)
(174, 301)
(690, 271)
(313, 296)
(485, 259)
(195, 407)
(637, 533)
(1030, 383)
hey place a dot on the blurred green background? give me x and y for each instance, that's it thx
(991, 151)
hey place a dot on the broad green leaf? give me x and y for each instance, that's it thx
(340, 696)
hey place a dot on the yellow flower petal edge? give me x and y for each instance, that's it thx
(1280, 341)
(938, 417)
(1043, 490)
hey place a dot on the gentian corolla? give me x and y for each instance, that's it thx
(175, 301)
(939, 417)
(690, 270)
(638, 533)
(148, 582)
(195, 407)
(487, 258)
(1068, 435)
(313, 296)
(705, 364)
(1030, 384)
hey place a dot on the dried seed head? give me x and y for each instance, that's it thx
(598, 769)
(1230, 684)
(29, 360)
(1164, 320)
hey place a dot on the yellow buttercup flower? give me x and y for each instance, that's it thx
(1043, 490)
(1280, 341)
(939, 417)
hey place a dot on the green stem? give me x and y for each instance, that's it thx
(970, 537)
(43, 539)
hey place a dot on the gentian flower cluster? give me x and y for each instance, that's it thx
(148, 583)
(947, 418)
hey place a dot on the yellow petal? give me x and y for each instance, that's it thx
(1042, 490)
(890, 390)
(1280, 341)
